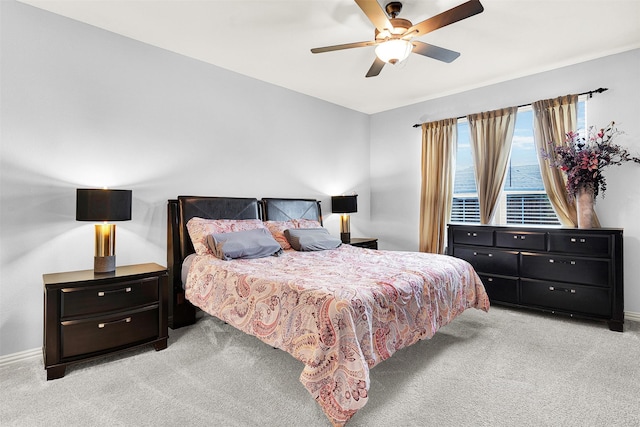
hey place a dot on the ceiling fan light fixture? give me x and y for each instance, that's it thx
(394, 51)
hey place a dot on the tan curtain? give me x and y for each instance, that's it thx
(491, 135)
(553, 119)
(439, 141)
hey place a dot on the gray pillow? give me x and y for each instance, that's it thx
(311, 239)
(247, 244)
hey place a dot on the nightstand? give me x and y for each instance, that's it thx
(88, 315)
(364, 242)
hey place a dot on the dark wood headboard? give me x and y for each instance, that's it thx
(286, 209)
(179, 246)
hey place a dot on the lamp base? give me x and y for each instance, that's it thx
(345, 237)
(104, 264)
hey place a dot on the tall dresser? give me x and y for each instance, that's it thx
(577, 272)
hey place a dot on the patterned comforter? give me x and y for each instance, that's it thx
(340, 312)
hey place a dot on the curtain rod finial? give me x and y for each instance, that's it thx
(599, 90)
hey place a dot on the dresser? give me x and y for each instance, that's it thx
(88, 315)
(576, 272)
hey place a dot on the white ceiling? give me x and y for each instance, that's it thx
(270, 40)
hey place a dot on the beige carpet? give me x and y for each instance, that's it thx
(502, 368)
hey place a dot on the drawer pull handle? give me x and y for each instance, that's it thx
(574, 240)
(563, 262)
(103, 293)
(126, 320)
(489, 279)
(476, 254)
(553, 288)
(472, 234)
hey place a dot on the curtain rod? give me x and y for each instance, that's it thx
(590, 93)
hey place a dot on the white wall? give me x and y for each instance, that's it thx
(396, 149)
(82, 107)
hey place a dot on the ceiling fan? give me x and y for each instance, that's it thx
(394, 36)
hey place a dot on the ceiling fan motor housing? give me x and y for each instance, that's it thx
(400, 26)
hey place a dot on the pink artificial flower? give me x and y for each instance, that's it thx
(582, 158)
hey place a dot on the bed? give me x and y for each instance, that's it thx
(340, 310)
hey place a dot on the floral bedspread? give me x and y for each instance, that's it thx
(340, 312)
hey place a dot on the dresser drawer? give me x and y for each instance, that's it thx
(498, 288)
(588, 271)
(476, 237)
(486, 260)
(578, 243)
(575, 299)
(96, 299)
(109, 332)
(530, 240)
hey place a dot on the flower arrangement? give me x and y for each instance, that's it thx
(583, 159)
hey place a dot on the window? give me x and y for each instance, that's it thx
(523, 200)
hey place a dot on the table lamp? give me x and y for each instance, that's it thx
(344, 205)
(104, 206)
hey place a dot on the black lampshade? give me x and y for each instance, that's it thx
(344, 204)
(93, 204)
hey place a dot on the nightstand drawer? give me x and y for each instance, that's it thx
(96, 299)
(95, 334)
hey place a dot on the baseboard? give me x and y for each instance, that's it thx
(629, 315)
(20, 356)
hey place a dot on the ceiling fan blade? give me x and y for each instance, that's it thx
(376, 67)
(376, 15)
(458, 13)
(342, 46)
(435, 52)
